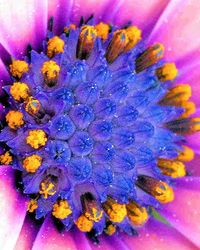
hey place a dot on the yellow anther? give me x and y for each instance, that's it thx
(186, 155)
(136, 213)
(32, 206)
(50, 70)
(47, 188)
(32, 106)
(55, 46)
(71, 27)
(189, 108)
(172, 168)
(117, 45)
(134, 36)
(61, 209)
(32, 163)
(110, 229)
(36, 138)
(18, 68)
(149, 57)
(94, 214)
(14, 119)
(178, 94)
(102, 30)
(5, 158)
(195, 125)
(163, 192)
(115, 211)
(86, 41)
(84, 224)
(167, 72)
(19, 91)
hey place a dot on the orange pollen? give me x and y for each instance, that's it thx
(137, 214)
(36, 138)
(172, 168)
(55, 46)
(47, 188)
(84, 224)
(32, 206)
(167, 72)
(18, 68)
(14, 119)
(6, 158)
(102, 30)
(110, 229)
(19, 91)
(61, 209)
(50, 70)
(186, 155)
(32, 106)
(32, 163)
(134, 36)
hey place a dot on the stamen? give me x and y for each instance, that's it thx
(84, 224)
(86, 42)
(186, 155)
(117, 45)
(34, 107)
(159, 189)
(32, 206)
(32, 163)
(177, 94)
(19, 91)
(36, 138)
(167, 72)
(149, 57)
(134, 36)
(115, 211)
(50, 70)
(91, 208)
(185, 126)
(14, 119)
(136, 213)
(172, 168)
(110, 229)
(102, 30)
(55, 46)
(6, 158)
(71, 27)
(18, 68)
(189, 107)
(47, 188)
(61, 209)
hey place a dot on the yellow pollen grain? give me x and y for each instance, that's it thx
(167, 72)
(84, 224)
(32, 106)
(163, 192)
(32, 206)
(32, 163)
(94, 215)
(6, 158)
(186, 155)
(55, 46)
(172, 168)
(61, 209)
(88, 33)
(189, 107)
(195, 125)
(14, 119)
(102, 30)
(36, 138)
(134, 36)
(19, 91)
(47, 189)
(71, 27)
(18, 68)
(50, 70)
(110, 229)
(137, 214)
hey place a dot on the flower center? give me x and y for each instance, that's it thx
(93, 125)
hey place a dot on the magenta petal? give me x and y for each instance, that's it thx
(49, 238)
(184, 212)
(157, 236)
(178, 28)
(22, 24)
(193, 167)
(12, 209)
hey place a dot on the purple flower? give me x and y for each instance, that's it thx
(99, 141)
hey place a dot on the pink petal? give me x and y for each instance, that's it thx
(157, 236)
(49, 238)
(12, 209)
(184, 212)
(193, 167)
(22, 24)
(141, 12)
(178, 28)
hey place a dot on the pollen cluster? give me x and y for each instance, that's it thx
(87, 117)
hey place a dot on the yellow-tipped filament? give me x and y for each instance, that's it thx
(18, 68)
(19, 91)
(32, 163)
(32, 106)
(137, 214)
(167, 72)
(84, 224)
(102, 30)
(163, 192)
(14, 119)
(172, 168)
(61, 209)
(36, 138)
(134, 36)
(47, 188)
(50, 70)
(187, 154)
(32, 206)
(110, 229)
(55, 46)
(6, 158)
